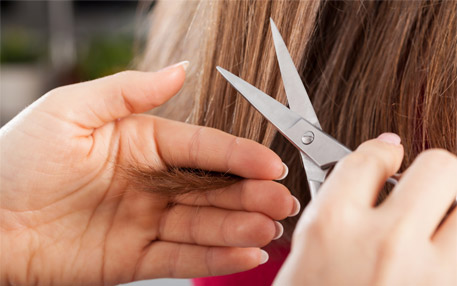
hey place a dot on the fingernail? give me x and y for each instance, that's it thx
(390, 138)
(296, 207)
(263, 256)
(184, 65)
(285, 172)
(279, 230)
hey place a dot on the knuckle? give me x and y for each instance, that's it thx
(278, 193)
(282, 200)
(326, 222)
(362, 160)
(195, 226)
(313, 227)
(319, 227)
(390, 247)
(335, 217)
(394, 239)
(353, 159)
(194, 146)
(174, 260)
(254, 229)
(329, 216)
(438, 158)
(275, 202)
(243, 188)
(235, 141)
(126, 73)
(56, 93)
(229, 230)
(247, 193)
(210, 261)
(338, 216)
(374, 162)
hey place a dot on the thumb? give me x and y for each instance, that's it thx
(94, 103)
(359, 176)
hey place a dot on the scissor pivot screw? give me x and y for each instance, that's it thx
(307, 138)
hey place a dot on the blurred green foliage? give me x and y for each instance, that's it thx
(98, 55)
(104, 55)
(19, 45)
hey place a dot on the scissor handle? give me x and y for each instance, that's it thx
(314, 186)
(394, 179)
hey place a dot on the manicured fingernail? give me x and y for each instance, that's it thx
(184, 65)
(296, 207)
(279, 230)
(390, 138)
(263, 256)
(285, 172)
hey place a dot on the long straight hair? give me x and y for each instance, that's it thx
(369, 67)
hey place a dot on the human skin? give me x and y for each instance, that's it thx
(343, 239)
(70, 216)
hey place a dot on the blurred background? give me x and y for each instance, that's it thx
(45, 44)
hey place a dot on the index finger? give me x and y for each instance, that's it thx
(185, 145)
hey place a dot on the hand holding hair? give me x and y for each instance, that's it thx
(342, 238)
(70, 216)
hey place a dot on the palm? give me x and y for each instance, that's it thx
(80, 215)
(81, 211)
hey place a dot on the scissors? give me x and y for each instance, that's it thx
(299, 124)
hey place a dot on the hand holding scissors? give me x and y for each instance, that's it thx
(342, 238)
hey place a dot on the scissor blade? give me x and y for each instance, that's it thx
(295, 90)
(299, 102)
(321, 148)
(279, 115)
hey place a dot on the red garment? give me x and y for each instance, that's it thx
(262, 275)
